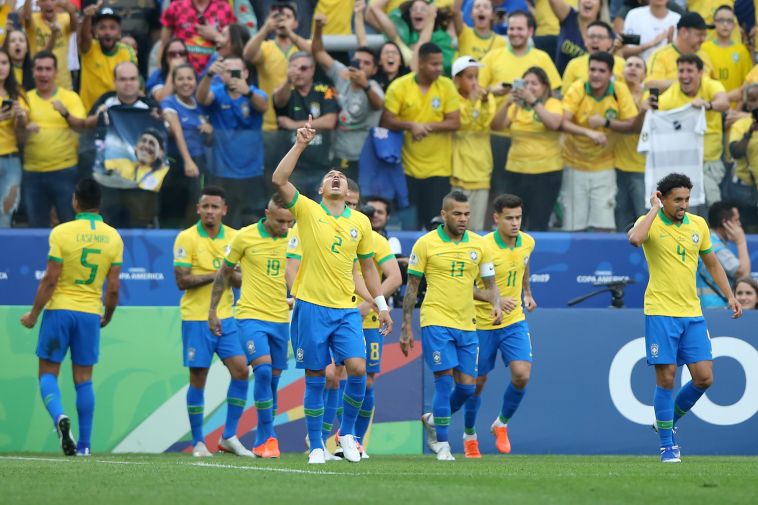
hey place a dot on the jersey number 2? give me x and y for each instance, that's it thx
(92, 268)
(336, 244)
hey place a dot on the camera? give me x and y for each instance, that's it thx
(236, 73)
(628, 39)
(754, 112)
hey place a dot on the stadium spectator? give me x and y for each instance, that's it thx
(425, 106)
(391, 64)
(746, 291)
(140, 19)
(190, 130)
(548, 26)
(574, 24)
(732, 61)
(359, 96)
(692, 87)
(159, 84)
(198, 23)
(17, 46)
(472, 157)
(600, 37)
(50, 152)
(478, 40)
(725, 227)
(655, 24)
(630, 164)
(690, 35)
(231, 42)
(297, 98)
(743, 147)
(235, 109)
(51, 30)
(337, 16)
(534, 167)
(101, 55)
(12, 115)
(593, 111)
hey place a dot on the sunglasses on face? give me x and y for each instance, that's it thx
(301, 68)
(177, 54)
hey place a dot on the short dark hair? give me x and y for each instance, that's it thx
(692, 59)
(603, 57)
(530, 23)
(353, 186)
(454, 196)
(214, 191)
(507, 201)
(277, 201)
(41, 55)
(724, 7)
(673, 181)
(88, 194)
(541, 76)
(718, 212)
(367, 50)
(602, 24)
(377, 198)
(183, 66)
(428, 49)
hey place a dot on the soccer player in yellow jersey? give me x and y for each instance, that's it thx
(84, 254)
(198, 253)
(262, 312)
(325, 317)
(675, 330)
(511, 249)
(451, 259)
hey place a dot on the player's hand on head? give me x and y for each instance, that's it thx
(655, 200)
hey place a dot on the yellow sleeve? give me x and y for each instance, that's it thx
(656, 67)
(552, 72)
(66, 28)
(739, 129)
(627, 107)
(55, 253)
(712, 88)
(382, 250)
(118, 254)
(486, 113)
(705, 238)
(709, 70)
(569, 75)
(452, 99)
(183, 248)
(554, 105)
(300, 205)
(366, 245)
(573, 97)
(236, 250)
(74, 105)
(417, 261)
(294, 247)
(752, 76)
(485, 74)
(486, 253)
(393, 100)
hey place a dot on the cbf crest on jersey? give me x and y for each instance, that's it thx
(436, 102)
(413, 261)
(353, 233)
(437, 357)
(180, 253)
(473, 255)
(695, 238)
(293, 242)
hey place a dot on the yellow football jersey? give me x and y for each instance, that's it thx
(87, 248)
(330, 245)
(39, 33)
(661, 66)
(262, 257)
(732, 64)
(450, 268)
(472, 156)
(339, 15)
(534, 148)
(503, 66)
(470, 43)
(672, 252)
(97, 70)
(510, 264)
(55, 146)
(578, 69)
(195, 250)
(382, 253)
(272, 72)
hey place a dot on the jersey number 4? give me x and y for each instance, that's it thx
(92, 268)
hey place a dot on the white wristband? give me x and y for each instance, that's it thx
(381, 303)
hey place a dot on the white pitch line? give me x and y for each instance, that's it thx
(25, 458)
(267, 469)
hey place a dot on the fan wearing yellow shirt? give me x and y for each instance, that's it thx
(480, 39)
(51, 29)
(675, 330)
(743, 144)
(262, 312)
(600, 37)
(198, 254)
(732, 61)
(511, 249)
(425, 105)
(85, 254)
(594, 110)
(326, 317)
(339, 15)
(451, 258)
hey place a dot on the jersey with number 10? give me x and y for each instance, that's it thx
(87, 248)
(262, 258)
(450, 268)
(329, 245)
(672, 253)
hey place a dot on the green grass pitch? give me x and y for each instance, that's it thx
(511, 480)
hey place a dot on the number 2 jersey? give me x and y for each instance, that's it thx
(87, 248)
(672, 252)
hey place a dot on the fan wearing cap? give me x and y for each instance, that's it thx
(472, 156)
(51, 29)
(101, 54)
(691, 32)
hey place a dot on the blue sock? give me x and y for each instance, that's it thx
(195, 407)
(264, 402)
(688, 395)
(461, 393)
(85, 409)
(352, 400)
(313, 407)
(511, 400)
(663, 403)
(443, 388)
(469, 414)
(275, 395)
(236, 396)
(364, 415)
(331, 401)
(340, 406)
(51, 395)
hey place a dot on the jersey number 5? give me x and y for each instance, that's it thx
(92, 268)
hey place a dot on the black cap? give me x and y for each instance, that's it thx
(285, 4)
(106, 12)
(693, 20)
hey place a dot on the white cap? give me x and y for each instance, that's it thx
(464, 62)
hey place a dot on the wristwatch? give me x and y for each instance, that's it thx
(65, 114)
(607, 123)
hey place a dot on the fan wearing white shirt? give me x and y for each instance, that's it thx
(654, 23)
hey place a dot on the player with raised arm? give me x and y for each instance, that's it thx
(451, 259)
(511, 249)
(198, 254)
(84, 255)
(675, 330)
(332, 236)
(262, 311)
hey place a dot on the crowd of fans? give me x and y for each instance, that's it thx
(541, 98)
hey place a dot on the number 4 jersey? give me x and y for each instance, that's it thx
(87, 248)
(672, 252)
